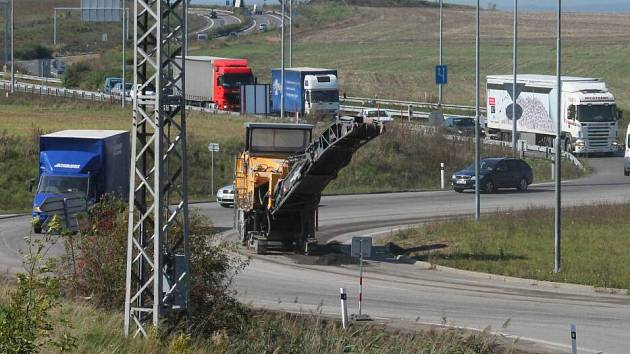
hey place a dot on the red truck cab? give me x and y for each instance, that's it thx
(229, 75)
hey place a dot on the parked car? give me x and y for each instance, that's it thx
(378, 114)
(225, 196)
(202, 36)
(262, 27)
(495, 173)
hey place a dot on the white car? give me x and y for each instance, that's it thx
(148, 92)
(378, 114)
(225, 196)
(262, 27)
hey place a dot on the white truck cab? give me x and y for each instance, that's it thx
(321, 95)
(626, 156)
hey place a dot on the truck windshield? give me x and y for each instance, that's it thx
(324, 96)
(597, 113)
(63, 185)
(279, 140)
(236, 80)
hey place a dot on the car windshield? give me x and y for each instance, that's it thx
(236, 80)
(484, 165)
(597, 113)
(325, 96)
(464, 122)
(63, 185)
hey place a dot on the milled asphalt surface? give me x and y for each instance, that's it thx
(413, 293)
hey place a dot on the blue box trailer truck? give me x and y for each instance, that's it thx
(307, 91)
(80, 165)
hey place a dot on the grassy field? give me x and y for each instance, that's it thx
(391, 52)
(409, 160)
(100, 331)
(595, 246)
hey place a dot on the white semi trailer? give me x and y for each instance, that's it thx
(589, 113)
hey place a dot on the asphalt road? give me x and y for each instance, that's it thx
(414, 294)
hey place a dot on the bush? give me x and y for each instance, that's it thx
(33, 51)
(95, 262)
(26, 320)
(75, 73)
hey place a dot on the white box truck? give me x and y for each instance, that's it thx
(589, 113)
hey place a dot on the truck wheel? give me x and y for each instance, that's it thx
(568, 146)
(258, 247)
(38, 228)
(489, 187)
(458, 190)
(522, 185)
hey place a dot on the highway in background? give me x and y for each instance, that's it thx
(415, 294)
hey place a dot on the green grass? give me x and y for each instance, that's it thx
(99, 331)
(595, 246)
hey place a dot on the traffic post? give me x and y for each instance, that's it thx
(212, 147)
(344, 307)
(442, 184)
(573, 339)
(361, 247)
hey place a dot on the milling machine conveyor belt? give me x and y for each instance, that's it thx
(321, 161)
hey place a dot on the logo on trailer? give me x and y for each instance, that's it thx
(67, 165)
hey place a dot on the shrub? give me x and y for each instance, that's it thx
(33, 51)
(95, 262)
(26, 320)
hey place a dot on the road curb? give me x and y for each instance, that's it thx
(523, 281)
(11, 216)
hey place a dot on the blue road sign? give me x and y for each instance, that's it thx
(441, 74)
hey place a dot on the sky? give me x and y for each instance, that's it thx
(622, 6)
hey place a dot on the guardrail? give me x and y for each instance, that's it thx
(61, 92)
(404, 105)
(33, 77)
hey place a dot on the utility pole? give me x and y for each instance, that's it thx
(514, 93)
(440, 55)
(157, 278)
(558, 160)
(282, 63)
(290, 33)
(12, 48)
(477, 122)
(123, 54)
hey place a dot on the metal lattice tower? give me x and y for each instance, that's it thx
(157, 252)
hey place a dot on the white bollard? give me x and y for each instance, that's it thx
(553, 171)
(344, 308)
(442, 175)
(573, 340)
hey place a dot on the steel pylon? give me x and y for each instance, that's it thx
(157, 282)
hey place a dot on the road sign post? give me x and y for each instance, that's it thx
(212, 147)
(361, 247)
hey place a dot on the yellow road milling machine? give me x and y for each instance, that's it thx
(280, 176)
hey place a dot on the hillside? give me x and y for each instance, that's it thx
(391, 52)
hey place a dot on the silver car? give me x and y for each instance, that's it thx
(225, 196)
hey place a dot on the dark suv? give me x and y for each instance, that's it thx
(495, 173)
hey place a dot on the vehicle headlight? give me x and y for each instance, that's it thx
(37, 210)
(615, 142)
(473, 178)
(579, 142)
